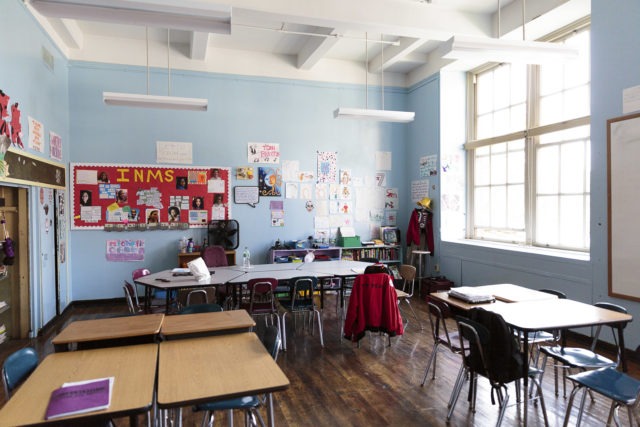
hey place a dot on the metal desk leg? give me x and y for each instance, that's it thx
(271, 421)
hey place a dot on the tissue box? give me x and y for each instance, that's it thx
(349, 242)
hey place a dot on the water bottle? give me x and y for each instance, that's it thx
(246, 258)
(190, 245)
(183, 244)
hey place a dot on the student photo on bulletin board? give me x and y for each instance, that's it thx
(103, 177)
(181, 183)
(153, 216)
(197, 203)
(122, 195)
(218, 200)
(85, 198)
(174, 214)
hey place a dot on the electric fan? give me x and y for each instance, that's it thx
(225, 233)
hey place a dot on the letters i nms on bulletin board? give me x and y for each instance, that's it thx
(142, 197)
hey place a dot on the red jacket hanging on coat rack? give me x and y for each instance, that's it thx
(421, 221)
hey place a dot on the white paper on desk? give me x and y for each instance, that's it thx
(199, 269)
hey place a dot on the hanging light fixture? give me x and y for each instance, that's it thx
(154, 101)
(370, 114)
(488, 49)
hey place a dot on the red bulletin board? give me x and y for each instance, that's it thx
(113, 196)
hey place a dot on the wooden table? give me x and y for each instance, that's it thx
(133, 367)
(167, 281)
(186, 377)
(108, 332)
(199, 324)
(504, 293)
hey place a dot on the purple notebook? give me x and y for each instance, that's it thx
(79, 397)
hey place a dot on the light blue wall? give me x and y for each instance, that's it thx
(42, 94)
(297, 115)
(615, 65)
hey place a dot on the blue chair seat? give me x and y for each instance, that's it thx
(610, 383)
(578, 357)
(245, 402)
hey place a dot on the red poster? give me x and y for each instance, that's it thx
(148, 197)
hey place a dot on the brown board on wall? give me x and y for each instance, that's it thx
(148, 196)
(623, 151)
(21, 167)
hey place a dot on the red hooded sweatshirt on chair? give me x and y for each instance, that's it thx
(373, 306)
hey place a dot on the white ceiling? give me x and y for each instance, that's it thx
(271, 37)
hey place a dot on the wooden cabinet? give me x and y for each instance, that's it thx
(279, 255)
(388, 254)
(184, 258)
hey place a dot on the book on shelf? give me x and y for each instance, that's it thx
(80, 397)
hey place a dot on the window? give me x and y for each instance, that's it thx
(529, 154)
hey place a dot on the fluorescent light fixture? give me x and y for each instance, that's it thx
(189, 15)
(499, 50)
(153, 101)
(376, 115)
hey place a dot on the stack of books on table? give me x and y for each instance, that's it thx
(470, 295)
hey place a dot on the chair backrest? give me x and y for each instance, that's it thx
(139, 273)
(502, 352)
(262, 294)
(272, 340)
(559, 294)
(131, 297)
(408, 275)
(614, 326)
(17, 367)
(378, 268)
(214, 256)
(301, 292)
(201, 308)
(438, 312)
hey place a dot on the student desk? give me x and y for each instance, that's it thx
(167, 281)
(200, 324)
(108, 332)
(185, 376)
(134, 370)
(537, 313)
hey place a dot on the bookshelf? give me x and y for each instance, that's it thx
(388, 254)
(278, 255)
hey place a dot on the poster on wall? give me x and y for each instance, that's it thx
(269, 182)
(327, 166)
(125, 250)
(263, 153)
(118, 197)
(55, 146)
(36, 137)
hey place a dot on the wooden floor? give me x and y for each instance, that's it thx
(373, 385)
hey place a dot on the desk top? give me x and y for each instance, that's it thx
(276, 274)
(110, 328)
(218, 277)
(134, 369)
(336, 268)
(503, 292)
(265, 267)
(185, 376)
(206, 322)
(558, 314)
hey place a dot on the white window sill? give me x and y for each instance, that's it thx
(557, 253)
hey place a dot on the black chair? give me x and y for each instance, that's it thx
(17, 368)
(622, 389)
(443, 339)
(300, 301)
(490, 349)
(582, 358)
(249, 404)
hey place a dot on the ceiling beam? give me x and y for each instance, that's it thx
(393, 54)
(316, 48)
(198, 42)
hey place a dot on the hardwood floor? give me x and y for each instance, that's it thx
(373, 385)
